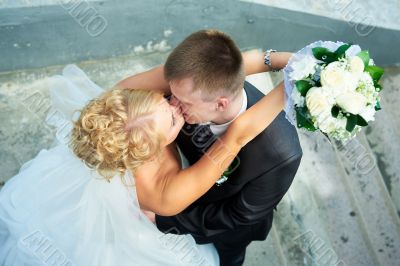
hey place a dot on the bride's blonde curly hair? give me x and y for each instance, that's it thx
(115, 132)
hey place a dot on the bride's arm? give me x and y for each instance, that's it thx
(177, 189)
(254, 61)
(153, 79)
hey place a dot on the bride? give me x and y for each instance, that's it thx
(81, 202)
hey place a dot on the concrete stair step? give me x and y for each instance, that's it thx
(268, 252)
(343, 229)
(292, 233)
(331, 233)
(376, 209)
(383, 135)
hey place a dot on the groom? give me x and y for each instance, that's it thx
(205, 76)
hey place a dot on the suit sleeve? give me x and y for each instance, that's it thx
(252, 204)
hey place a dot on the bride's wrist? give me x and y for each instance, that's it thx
(268, 61)
(276, 61)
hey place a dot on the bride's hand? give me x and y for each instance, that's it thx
(151, 215)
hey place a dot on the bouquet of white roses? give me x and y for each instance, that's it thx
(332, 87)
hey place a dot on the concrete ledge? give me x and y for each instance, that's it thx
(40, 36)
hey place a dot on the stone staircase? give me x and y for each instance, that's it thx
(342, 208)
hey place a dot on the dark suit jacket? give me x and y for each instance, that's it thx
(241, 209)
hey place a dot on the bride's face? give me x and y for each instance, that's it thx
(169, 120)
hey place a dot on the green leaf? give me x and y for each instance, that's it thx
(318, 52)
(361, 121)
(303, 86)
(351, 122)
(375, 72)
(303, 119)
(340, 52)
(232, 167)
(324, 54)
(364, 55)
(377, 86)
(378, 106)
(335, 111)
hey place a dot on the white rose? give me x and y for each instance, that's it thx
(333, 76)
(351, 102)
(330, 124)
(327, 126)
(303, 67)
(366, 87)
(319, 101)
(350, 81)
(356, 65)
(366, 78)
(368, 113)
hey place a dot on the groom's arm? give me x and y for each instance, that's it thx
(154, 79)
(252, 204)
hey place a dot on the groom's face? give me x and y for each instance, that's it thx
(194, 108)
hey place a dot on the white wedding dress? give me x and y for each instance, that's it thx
(57, 211)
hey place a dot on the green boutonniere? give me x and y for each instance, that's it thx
(225, 175)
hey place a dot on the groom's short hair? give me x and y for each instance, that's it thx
(212, 59)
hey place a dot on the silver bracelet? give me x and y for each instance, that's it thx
(267, 59)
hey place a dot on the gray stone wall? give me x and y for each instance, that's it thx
(39, 34)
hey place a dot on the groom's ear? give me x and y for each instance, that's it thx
(222, 103)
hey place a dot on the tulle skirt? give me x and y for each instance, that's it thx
(57, 211)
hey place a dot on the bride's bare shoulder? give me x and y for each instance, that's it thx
(150, 177)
